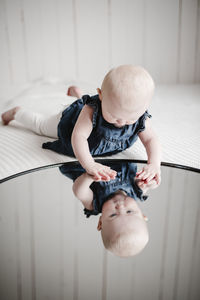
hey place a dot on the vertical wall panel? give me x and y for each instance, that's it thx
(188, 41)
(173, 221)
(197, 47)
(8, 246)
(31, 16)
(50, 38)
(17, 42)
(68, 229)
(119, 277)
(6, 69)
(66, 39)
(90, 257)
(161, 32)
(23, 208)
(194, 287)
(47, 235)
(92, 40)
(128, 40)
(187, 236)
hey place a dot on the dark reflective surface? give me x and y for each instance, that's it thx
(50, 250)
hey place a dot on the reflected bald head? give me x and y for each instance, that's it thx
(123, 227)
(126, 242)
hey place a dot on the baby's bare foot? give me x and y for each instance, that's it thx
(74, 91)
(9, 115)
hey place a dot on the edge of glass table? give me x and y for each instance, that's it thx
(166, 164)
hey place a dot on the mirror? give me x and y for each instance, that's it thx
(50, 250)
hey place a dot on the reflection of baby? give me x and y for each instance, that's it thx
(104, 124)
(123, 226)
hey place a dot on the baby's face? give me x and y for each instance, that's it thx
(121, 212)
(118, 114)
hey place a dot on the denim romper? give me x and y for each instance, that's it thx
(104, 190)
(105, 138)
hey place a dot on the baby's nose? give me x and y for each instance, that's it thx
(119, 204)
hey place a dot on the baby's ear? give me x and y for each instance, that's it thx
(99, 224)
(100, 94)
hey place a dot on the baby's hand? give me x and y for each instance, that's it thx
(149, 172)
(100, 172)
(152, 184)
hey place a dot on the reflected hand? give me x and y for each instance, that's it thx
(100, 172)
(149, 172)
(144, 186)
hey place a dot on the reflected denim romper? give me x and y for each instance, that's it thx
(104, 190)
(105, 138)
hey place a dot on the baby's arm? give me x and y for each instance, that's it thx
(82, 191)
(153, 149)
(81, 132)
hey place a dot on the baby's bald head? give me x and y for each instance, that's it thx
(128, 84)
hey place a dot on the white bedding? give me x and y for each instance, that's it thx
(175, 116)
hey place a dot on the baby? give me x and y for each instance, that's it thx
(104, 124)
(123, 226)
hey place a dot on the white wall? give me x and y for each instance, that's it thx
(81, 40)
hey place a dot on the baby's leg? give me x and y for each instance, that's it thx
(38, 123)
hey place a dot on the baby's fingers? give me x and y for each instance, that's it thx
(96, 176)
(102, 172)
(104, 175)
(158, 179)
(152, 184)
(141, 175)
(139, 172)
(149, 177)
(141, 184)
(100, 178)
(144, 175)
(107, 174)
(112, 174)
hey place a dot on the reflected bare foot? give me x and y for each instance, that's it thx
(74, 91)
(9, 115)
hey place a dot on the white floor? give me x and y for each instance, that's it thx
(175, 110)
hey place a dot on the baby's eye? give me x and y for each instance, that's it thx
(113, 215)
(129, 211)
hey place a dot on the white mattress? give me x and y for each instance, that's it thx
(175, 110)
